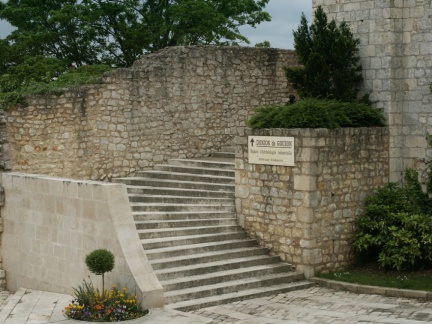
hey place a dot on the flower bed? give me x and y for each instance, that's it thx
(112, 306)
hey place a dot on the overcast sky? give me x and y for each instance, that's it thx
(285, 17)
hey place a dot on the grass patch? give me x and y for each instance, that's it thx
(416, 280)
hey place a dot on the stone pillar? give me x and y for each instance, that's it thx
(306, 184)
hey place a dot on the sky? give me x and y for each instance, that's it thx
(285, 18)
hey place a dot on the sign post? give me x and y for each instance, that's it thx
(271, 150)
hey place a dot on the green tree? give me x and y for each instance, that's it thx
(117, 32)
(126, 29)
(53, 29)
(329, 57)
(5, 55)
(265, 44)
(32, 69)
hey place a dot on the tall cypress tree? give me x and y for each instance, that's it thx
(329, 57)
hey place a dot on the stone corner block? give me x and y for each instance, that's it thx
(305, 215)
(305, 182)
(307, 155)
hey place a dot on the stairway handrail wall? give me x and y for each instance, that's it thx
(51, 224)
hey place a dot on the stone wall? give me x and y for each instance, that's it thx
(306, 213)
(395, 48)
(180, 102)
(5, 159)
(51, 224)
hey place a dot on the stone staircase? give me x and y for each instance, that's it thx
(185, 216)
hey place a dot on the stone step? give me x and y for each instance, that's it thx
(204, 163)
(165, 242)
(227, 276)
(213, 267)
(231, 286)
(181, 215)
(172, 232)
(202, 253)
(180, 207)
(165, 199)
(177, 176)
(224, 155)
(185, 217)
(219, 299)
(155, 224)
(145, 190)
(194, 185)
(230, 149)
(191, 170)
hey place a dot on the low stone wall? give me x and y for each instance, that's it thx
(180, 102)
(306, 213)
(51, 224)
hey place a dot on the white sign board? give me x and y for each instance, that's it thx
(271, 150)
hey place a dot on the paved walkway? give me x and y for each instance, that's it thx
(308, 306)
(322, 305)
(28, 306)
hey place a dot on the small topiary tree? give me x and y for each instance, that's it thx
(329, 57)
(100, 261)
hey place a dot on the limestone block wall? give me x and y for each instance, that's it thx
(51, 224)
(176, 103)
(5, 159)
(396, 47)
(306, 213)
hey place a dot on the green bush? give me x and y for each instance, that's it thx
(14, 87)
(396, 228)
(316, 113)
(114, 305)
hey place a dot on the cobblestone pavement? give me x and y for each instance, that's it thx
(321, 305)
(309, 306)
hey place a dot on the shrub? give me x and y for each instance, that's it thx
(329, 59)
(110, 306)
(396, 228)
(316, 113)
(99, 262)
(14, 88)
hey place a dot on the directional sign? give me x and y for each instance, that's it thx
(271, 150)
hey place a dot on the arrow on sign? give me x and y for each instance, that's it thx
(252, 141)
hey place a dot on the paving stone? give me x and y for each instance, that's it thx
(322, 305)
(308, 306)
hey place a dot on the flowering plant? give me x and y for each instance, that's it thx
(111, 306)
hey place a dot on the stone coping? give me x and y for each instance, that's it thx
(365, 289)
